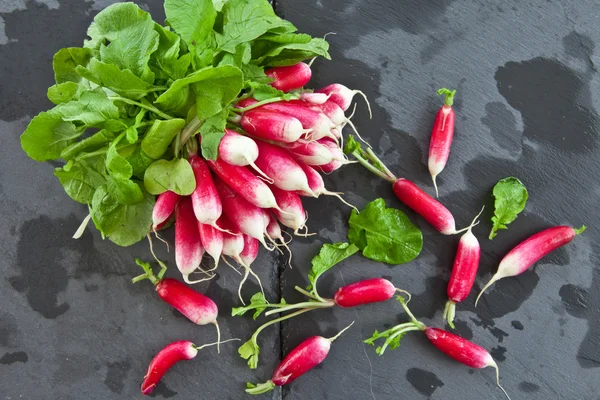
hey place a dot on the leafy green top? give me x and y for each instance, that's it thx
(510, 197)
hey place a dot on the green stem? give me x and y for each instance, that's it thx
(276, 320)
(377, 161)
(370, 167)
(148, 273)
(307, 294)
(258, 104)
(449, 96)
(307, 304)
(188, 131)
(145, 106)
(417, 323)
(395, 335)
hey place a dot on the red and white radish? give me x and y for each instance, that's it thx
(310, 152)
(205, 199)
(364, 292)
(188, 248)
(289, 77)
(212, 241)
(275, 234)
(314, 98)
(272, 126)
(292, 212)
(240, 150)
(464, 271)
(250, 251)
(245, 183)
(441, 136)
(164, 208)
(342, 96)
(279, 165)
(299, 361)
(531, 250)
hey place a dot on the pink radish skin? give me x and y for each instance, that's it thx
(341, 95)
(464, 272)
(164, 208)
(441, 136)
(314, 98)
(250, 251)
(245, 183)
(239, 150)
(188, 248)
(531, 250)
(310, 152)
(245, 217)
(293, 215)
(365, 292)
(281, 168)
(330, 167)
(290, 77)
(426, 206)
(299, 361)
(164, 360)
(212, 241)
(206, 203)
(329, 108)
(272, 126)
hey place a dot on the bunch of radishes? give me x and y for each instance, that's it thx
(271, 154)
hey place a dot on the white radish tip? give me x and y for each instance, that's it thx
(339, 196)
(433, 178)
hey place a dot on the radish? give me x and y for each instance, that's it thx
(330, 167)
(205, 199)
(407, 192)
(299, 361)
(441, 136)
(246, 217)
(169, 356)
(164, 208)
(289, 77)
(281, 168)
(317, 185)
(314, 98)
(250, 251)
(245, 183)
(310, 152)
(276, 235)
(212, 241)
(188, 248)
(272, 126)
(292, 212)
(196, 307)
(364, 292)
(342, 96)
(464, 271)
(460, 349)
(236, 149)
(531, 250)
(233, 246)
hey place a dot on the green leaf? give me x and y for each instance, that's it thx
(80, 181)
(292, 53)
(125, 191)
(120, 81)
(139, 161)
(241, 56)
(510, 198)
(246, 20)
(262, 91)
(175, 175)
(125, 36)
(253, 72)
(218, 4)
(329, 255)
(66, 60)
(250, 351)
(124, 224)
(258, 303)
(351, 145)
(212, 131)
(165, 61)
(385, 234)
(91, 143)
(160, 135)
(62, 92)
(92, 108)
(193, 20)
(47, 135)
(117, 166)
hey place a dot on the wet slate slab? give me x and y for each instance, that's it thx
(72, 326)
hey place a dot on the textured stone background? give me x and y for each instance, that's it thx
(73, 327)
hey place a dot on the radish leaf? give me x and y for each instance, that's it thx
(385, 234)
(66, 60)
(212, 131)
(80, 181)
(193, 20)
(329, 255)
(175, 175)
(510, 198)
(47, 135)
(157, 139)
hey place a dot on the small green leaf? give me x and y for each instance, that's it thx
(117, 165)
(91, 143)
(351, 145)
(258, 303)
(292, 53)
(250, 351)
(80, 181)
(120, 81)
(212, 131)
(92, 109)
(510, 198)
(329, 255)
(193, 20)
(66, 60)
(47, 135)
(160, 135)
(263, 91)
(62, 92)
(175, 175)
(125, 191)
(385, 234)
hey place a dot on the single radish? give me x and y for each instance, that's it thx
(167, 357)
(314, 98)
(441, 136)
(245, 183)
(299, 361)
(245, 217)
(464, 271)
(240, 150)
(330, 167)
(275, 234)
(317, 185)
(310, 152)
(342, 96)
(289, 77)
(195, 306)
(272, 126)
(336, 150)
(205, 199)
(364, 292)
(164, 208)
(531, 250)
(250, 251)
(460, 349)
(188, 247)
(212, 241)
(292, 212)
(279, 165)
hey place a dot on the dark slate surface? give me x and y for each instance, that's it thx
(73, 327)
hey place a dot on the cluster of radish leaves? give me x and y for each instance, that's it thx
(127, 101)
